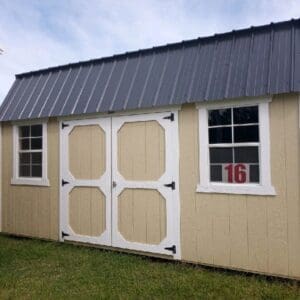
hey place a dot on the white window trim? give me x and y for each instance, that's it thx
(264, 187)
(16, 179)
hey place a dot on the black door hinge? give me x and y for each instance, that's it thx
(63, 234)
(63, 125)
(63, 182)
(171, 185)
(170, 117)
(172, 248)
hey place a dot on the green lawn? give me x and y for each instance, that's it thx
(37, 269)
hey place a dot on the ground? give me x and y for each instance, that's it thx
(33, 269)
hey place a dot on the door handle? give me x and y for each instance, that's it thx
(114, 184)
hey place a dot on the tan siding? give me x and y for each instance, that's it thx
(257, 233)
(87, 211)
(146, 160)
(142, 216)
(31, 210)
(87, 152)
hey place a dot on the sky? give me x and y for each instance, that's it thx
(37, 34)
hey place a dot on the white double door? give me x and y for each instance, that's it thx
(119, 182)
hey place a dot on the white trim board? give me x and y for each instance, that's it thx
(264, 187)
(16, 179)
(114, 123)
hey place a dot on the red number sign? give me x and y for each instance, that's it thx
(236, 173)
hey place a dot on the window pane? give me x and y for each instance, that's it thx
(246, 154)
(221, 155)
(244, 115)
(24, 158)
(24, 131)
(215, 173)
(219, 117)
(36, 130)
(220, 135)
(24, 144)
(24, 171)
(36, 143)
(244, 134)
(36, 171)
(36, 158)
(254, 173)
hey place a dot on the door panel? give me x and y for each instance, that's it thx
(86, 180)
(141, 150)
(142, 216)
(87, 153)
(144, 161)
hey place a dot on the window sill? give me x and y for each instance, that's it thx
(30, 181)
(245, 189)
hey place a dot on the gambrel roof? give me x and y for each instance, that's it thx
(256, 61)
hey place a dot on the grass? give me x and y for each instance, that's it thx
(32, 269)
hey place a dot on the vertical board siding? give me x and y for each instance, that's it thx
(30, 210)
(256, 233)
(142, 216)
(87, 152)
(146, 160)
(87, 211)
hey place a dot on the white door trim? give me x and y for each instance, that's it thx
(103, 183)
(171, 174)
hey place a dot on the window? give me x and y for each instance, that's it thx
(234, 149)
(30, 142)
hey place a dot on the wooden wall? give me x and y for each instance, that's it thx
(257, 233)
(31, 210)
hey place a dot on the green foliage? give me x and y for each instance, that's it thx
(32, 269)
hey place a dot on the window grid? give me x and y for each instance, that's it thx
(234, 144)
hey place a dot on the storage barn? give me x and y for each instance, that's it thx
(188, 151)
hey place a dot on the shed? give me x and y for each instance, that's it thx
(188, 151)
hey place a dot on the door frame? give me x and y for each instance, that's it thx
(104, 180)
(170, 109)
(169, 175)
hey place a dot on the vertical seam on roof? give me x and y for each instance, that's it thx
(211, 70)
(106, 86)
(190, 88)
(60, 91)
(177, 76)
(10, 102)
(29, 98)
(147, 79)
(229, 67)
(132, 82)
(249, 63)
(10, 116)
(81, 90)
(119, 84)
(94, 87)
(70, 91)
(270, 60)
(50, 92)
(161, 78)
(38, 97)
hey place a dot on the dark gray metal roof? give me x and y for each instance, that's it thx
(251, 62)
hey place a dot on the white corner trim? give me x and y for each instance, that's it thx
(265, 187)
(16, 180)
